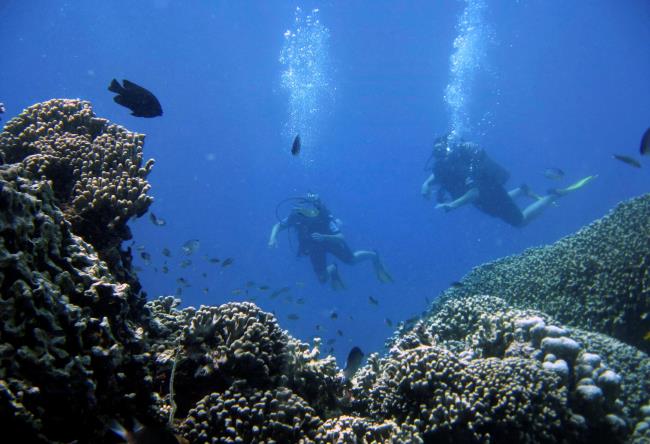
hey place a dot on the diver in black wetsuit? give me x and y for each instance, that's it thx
(318, 234)
(466, 174)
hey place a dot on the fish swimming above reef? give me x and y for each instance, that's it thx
(388, 322)
(140, 434)
(293, 317)
(352, 364)
(185, 263)
(2, 108)
(334, 315)
(146, 257)
(295, 147)
(191, 246)
(227, 262)
(157, 221)
(553, 173)
(139, 100)
(373, 301)
(628, 160)
(645, 143)
(456, 284)
(279, 291)
(166, 252)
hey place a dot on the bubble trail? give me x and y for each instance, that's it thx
(306, 76)
(468, 58)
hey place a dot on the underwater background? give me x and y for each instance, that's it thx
(369, 86)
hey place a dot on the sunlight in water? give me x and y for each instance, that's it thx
(305, 57)
(467, 59)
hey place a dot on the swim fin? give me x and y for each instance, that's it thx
(383, 275)
(335, 279)
(573, 187)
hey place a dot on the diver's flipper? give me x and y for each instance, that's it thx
(335, 278)
(383, 276)
(573, 187)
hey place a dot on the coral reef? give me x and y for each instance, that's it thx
(79, 345)
(69, 333)
(95, 168)
(597, 279)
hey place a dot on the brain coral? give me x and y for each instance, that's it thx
(597, 279)
(70, 347)
(95, 168)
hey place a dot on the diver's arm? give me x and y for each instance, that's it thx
(273, 239)
(470, 196)
(427, 187)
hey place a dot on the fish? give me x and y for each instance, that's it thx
(237, 291)
(205, 290)
(295, 147)
(456, 284)
(553, 173)
(334, 315)
(373, 300)
(2, 109)
(186, 263)
(205, 275)
(263, 287)
(165, 269)
(627, 159)
(300, 301)
(388, 322)
(157, 221)
(293, 317)
(139, 247)
(227, 262)
(279, 291)
(331, 350)
(151, 434)
(183, 282)
(215, 260)
(146, 257)
(645, 143)
(339, 332)
(191, 246)
(331, 341)
(139, 100)
(166, 252)
(353, 363)
(318, 327)
(250, 284)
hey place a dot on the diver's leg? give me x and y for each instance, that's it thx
(378, 265)
(514, 193)
(535, 209)
(317, 259)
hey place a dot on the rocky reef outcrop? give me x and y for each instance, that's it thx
(80, 346)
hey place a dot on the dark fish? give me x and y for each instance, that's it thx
(264, 287)
(166, 252)
(457, 284)
(627, 159)
(205, 275)
(331, 341)
(183, 282)
(645, 143)
(553, 173)
(318, 327)
(339, 332)
(300, 301)
(139, 247)
(140, 434)
(388, 322)
(279, 291)
(295, 148)
(373, 300)
(146, 257)
(191, 246)
(186, 263)
(293, 317)
(331, 350)
(165, 269)
(334, 315)
(139, 100)
(205, 290)
(214, 260)
(355, 357)
(2, 108)
(237, 291)
(157, 221)
(227, 262)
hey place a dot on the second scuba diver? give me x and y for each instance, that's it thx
(319, 233)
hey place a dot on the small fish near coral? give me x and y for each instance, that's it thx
(139, 100)
(628, 160)
(353, 363)
(645, 143)
(295, 147)
(157, 221)
(553, 173)
(2, 109)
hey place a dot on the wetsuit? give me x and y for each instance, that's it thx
(465, 166)
(323, 223)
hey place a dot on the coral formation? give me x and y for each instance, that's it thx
(597, 279)
(68, 331)
(95, 168)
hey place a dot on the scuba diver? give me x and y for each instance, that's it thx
(465, 174)
(318, 234)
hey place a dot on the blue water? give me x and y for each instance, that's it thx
(541, 84)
